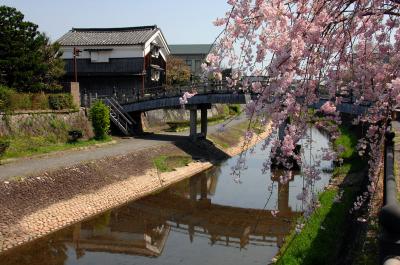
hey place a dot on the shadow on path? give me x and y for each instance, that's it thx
(202, 149)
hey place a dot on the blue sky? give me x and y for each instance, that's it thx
(182, 21)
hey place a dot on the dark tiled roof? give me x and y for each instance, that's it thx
(108, 36)
(190, 48)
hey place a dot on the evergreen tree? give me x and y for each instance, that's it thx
(28, 61)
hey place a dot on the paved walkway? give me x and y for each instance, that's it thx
(34, 165)
(396, 128)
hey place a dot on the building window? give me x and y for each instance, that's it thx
(197, 66)
(189, 63)
(99, 56)
(155, 52)
(155, 75)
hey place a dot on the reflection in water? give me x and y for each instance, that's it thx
(142, 227)
(207, 219)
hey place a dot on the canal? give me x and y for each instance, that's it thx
(207, 219)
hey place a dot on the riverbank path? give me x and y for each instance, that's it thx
(41, 163)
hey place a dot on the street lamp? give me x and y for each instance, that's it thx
(76, 53)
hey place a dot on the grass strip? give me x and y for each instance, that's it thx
(29, 146)
(397, 160)
(320, 240)
(347, 142)
(165, 163)
(229, 137)
(324, 233)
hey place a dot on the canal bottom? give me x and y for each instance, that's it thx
(207, 219)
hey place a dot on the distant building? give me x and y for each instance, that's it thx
(116, 61)
(192, 54)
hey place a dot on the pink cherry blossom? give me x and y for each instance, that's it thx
(184, 99)
(218, 76)
(256, 87)
(287, 146)
(328, 108)
(310, 50)
(274, 213)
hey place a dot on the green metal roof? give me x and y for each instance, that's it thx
(190, 48)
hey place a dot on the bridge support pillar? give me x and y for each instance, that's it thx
(193, 120)
(138, 126)
(281, 131)
(204, 122)
(203, 188)
(193, 124)
(76, 234)
(283, 197)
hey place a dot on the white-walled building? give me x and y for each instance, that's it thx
(116, 60)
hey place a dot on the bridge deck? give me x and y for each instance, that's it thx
(207, 93)
(173, 102)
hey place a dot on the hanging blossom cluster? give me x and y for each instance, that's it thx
(306, 50)
(184, 99)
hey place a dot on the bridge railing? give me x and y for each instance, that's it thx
(210, 87)
(151, 93)
(389, 216)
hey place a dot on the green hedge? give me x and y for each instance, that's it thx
(11, 100)
(20, 101)
(61, 101)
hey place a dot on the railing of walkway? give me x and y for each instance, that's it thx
(151, 93)
(389, 216)
(210, 87)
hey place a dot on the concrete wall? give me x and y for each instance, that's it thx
(159, 118)
(42, 123)
(75, 92)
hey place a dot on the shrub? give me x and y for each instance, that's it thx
(5, 97)
(58, 124)
(74, 135)
(4, 144)
(234, 109)
(61, 101)
(40, 101)
(100, 116)
(20, 101)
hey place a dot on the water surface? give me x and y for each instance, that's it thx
(207, 219)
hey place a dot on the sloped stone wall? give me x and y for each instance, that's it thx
(40, 123)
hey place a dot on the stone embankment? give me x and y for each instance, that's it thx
(43, 122)
(36, 206)
(61, 214)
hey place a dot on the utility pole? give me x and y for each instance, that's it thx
(76, 53)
